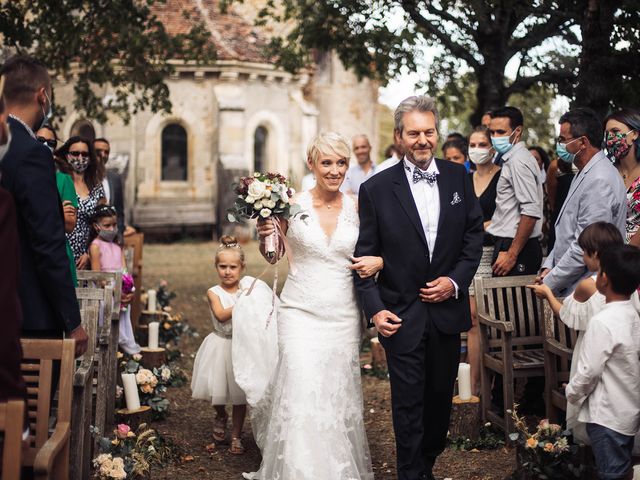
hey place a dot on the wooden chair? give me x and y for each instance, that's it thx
(112, 283)
(94, 298)
(135, 243)
(559, 343)
(510, 319)
(48, 454)
(82, 405)
(11, 415)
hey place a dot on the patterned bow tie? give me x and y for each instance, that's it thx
(430, 177)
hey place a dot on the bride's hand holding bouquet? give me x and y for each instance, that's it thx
(265, 197)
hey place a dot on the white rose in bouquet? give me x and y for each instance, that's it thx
(265, 213)
(250, 199)
(269, 203)
(257, 205)
(257, 189)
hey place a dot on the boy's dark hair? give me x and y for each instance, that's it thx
(622, 266)
(101, 139)
(24, 76)
(599, 236)
(512, 113)
(584, 122)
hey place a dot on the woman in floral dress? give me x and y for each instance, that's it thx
(622, 143)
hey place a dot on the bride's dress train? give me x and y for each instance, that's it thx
(309, 422)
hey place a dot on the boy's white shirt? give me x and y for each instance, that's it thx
(608, 371)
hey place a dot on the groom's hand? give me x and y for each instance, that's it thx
(437, 290)
(386, 322)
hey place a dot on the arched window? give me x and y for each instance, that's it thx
(174, 153)
(260, 138)
(84, 129)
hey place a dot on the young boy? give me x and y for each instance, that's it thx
(608, 372)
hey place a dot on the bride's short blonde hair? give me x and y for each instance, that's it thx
(328, 143)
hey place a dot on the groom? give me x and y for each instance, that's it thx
(423, 218)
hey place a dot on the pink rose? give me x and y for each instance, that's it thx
(123, 430)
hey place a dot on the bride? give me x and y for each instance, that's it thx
(313, 424)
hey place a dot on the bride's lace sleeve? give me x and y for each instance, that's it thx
(576, 314)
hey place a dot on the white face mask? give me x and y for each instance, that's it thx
(480, 156)
(5, 148)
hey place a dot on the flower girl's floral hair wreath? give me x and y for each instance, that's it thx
(229, 243)
(328, 143)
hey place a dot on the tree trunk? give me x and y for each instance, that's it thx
(598, 76)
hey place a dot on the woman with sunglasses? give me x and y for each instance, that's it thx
(47, 136)
(77, 159)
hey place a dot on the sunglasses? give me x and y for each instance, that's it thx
(79, 154)
(50, 142)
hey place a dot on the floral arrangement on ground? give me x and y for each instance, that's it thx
(152, 383)
(545, 453)
(129, 454)
(490, 438)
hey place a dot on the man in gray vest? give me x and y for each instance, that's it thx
(597, 193)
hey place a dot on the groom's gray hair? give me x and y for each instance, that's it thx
(420, 103)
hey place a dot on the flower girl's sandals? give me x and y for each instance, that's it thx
(220, 428)
(236, 447)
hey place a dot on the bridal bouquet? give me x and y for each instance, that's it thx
(263, 195)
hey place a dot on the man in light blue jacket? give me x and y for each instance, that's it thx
(597, 193)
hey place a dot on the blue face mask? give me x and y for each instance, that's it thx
(502, 144)
(563, 153)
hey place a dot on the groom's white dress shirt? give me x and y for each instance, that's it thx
(427, 199)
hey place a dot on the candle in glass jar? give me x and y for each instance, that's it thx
(131, 391)
(152, 300)
(464, 381)
(154, 328)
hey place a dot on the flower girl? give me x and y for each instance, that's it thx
(213, 377)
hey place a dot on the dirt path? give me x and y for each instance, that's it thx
(188, 267)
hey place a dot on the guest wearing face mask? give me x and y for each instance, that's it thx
(47, 295)
(78, 160)
(597, 193)
(485, 182)
(622, 144)
(67, 191)
(517, 221)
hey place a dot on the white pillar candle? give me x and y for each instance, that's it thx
(131, 391)
(464, 381)
(151, 302)
(154, 328)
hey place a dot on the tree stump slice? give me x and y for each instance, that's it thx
(147, 316)
(378, 356)
(466, 418)
(134, 418)
(153, 357)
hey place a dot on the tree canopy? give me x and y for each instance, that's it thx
(97, 43)
(542, 39)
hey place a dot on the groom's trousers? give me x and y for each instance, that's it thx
(421, 391)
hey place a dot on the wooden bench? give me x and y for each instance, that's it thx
(112, 280)
(47, 453)
(83, 405)
(511, 336)
(559, 343)
(11, 415)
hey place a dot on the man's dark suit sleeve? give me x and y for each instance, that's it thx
(465, 268)
(39, 204)
(368, 244)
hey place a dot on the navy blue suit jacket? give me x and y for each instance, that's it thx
(390, 227)
(47, 294)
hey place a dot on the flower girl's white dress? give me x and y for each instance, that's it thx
(309, 422)
(213, 378)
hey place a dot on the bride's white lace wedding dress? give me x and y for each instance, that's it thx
(310, 423)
